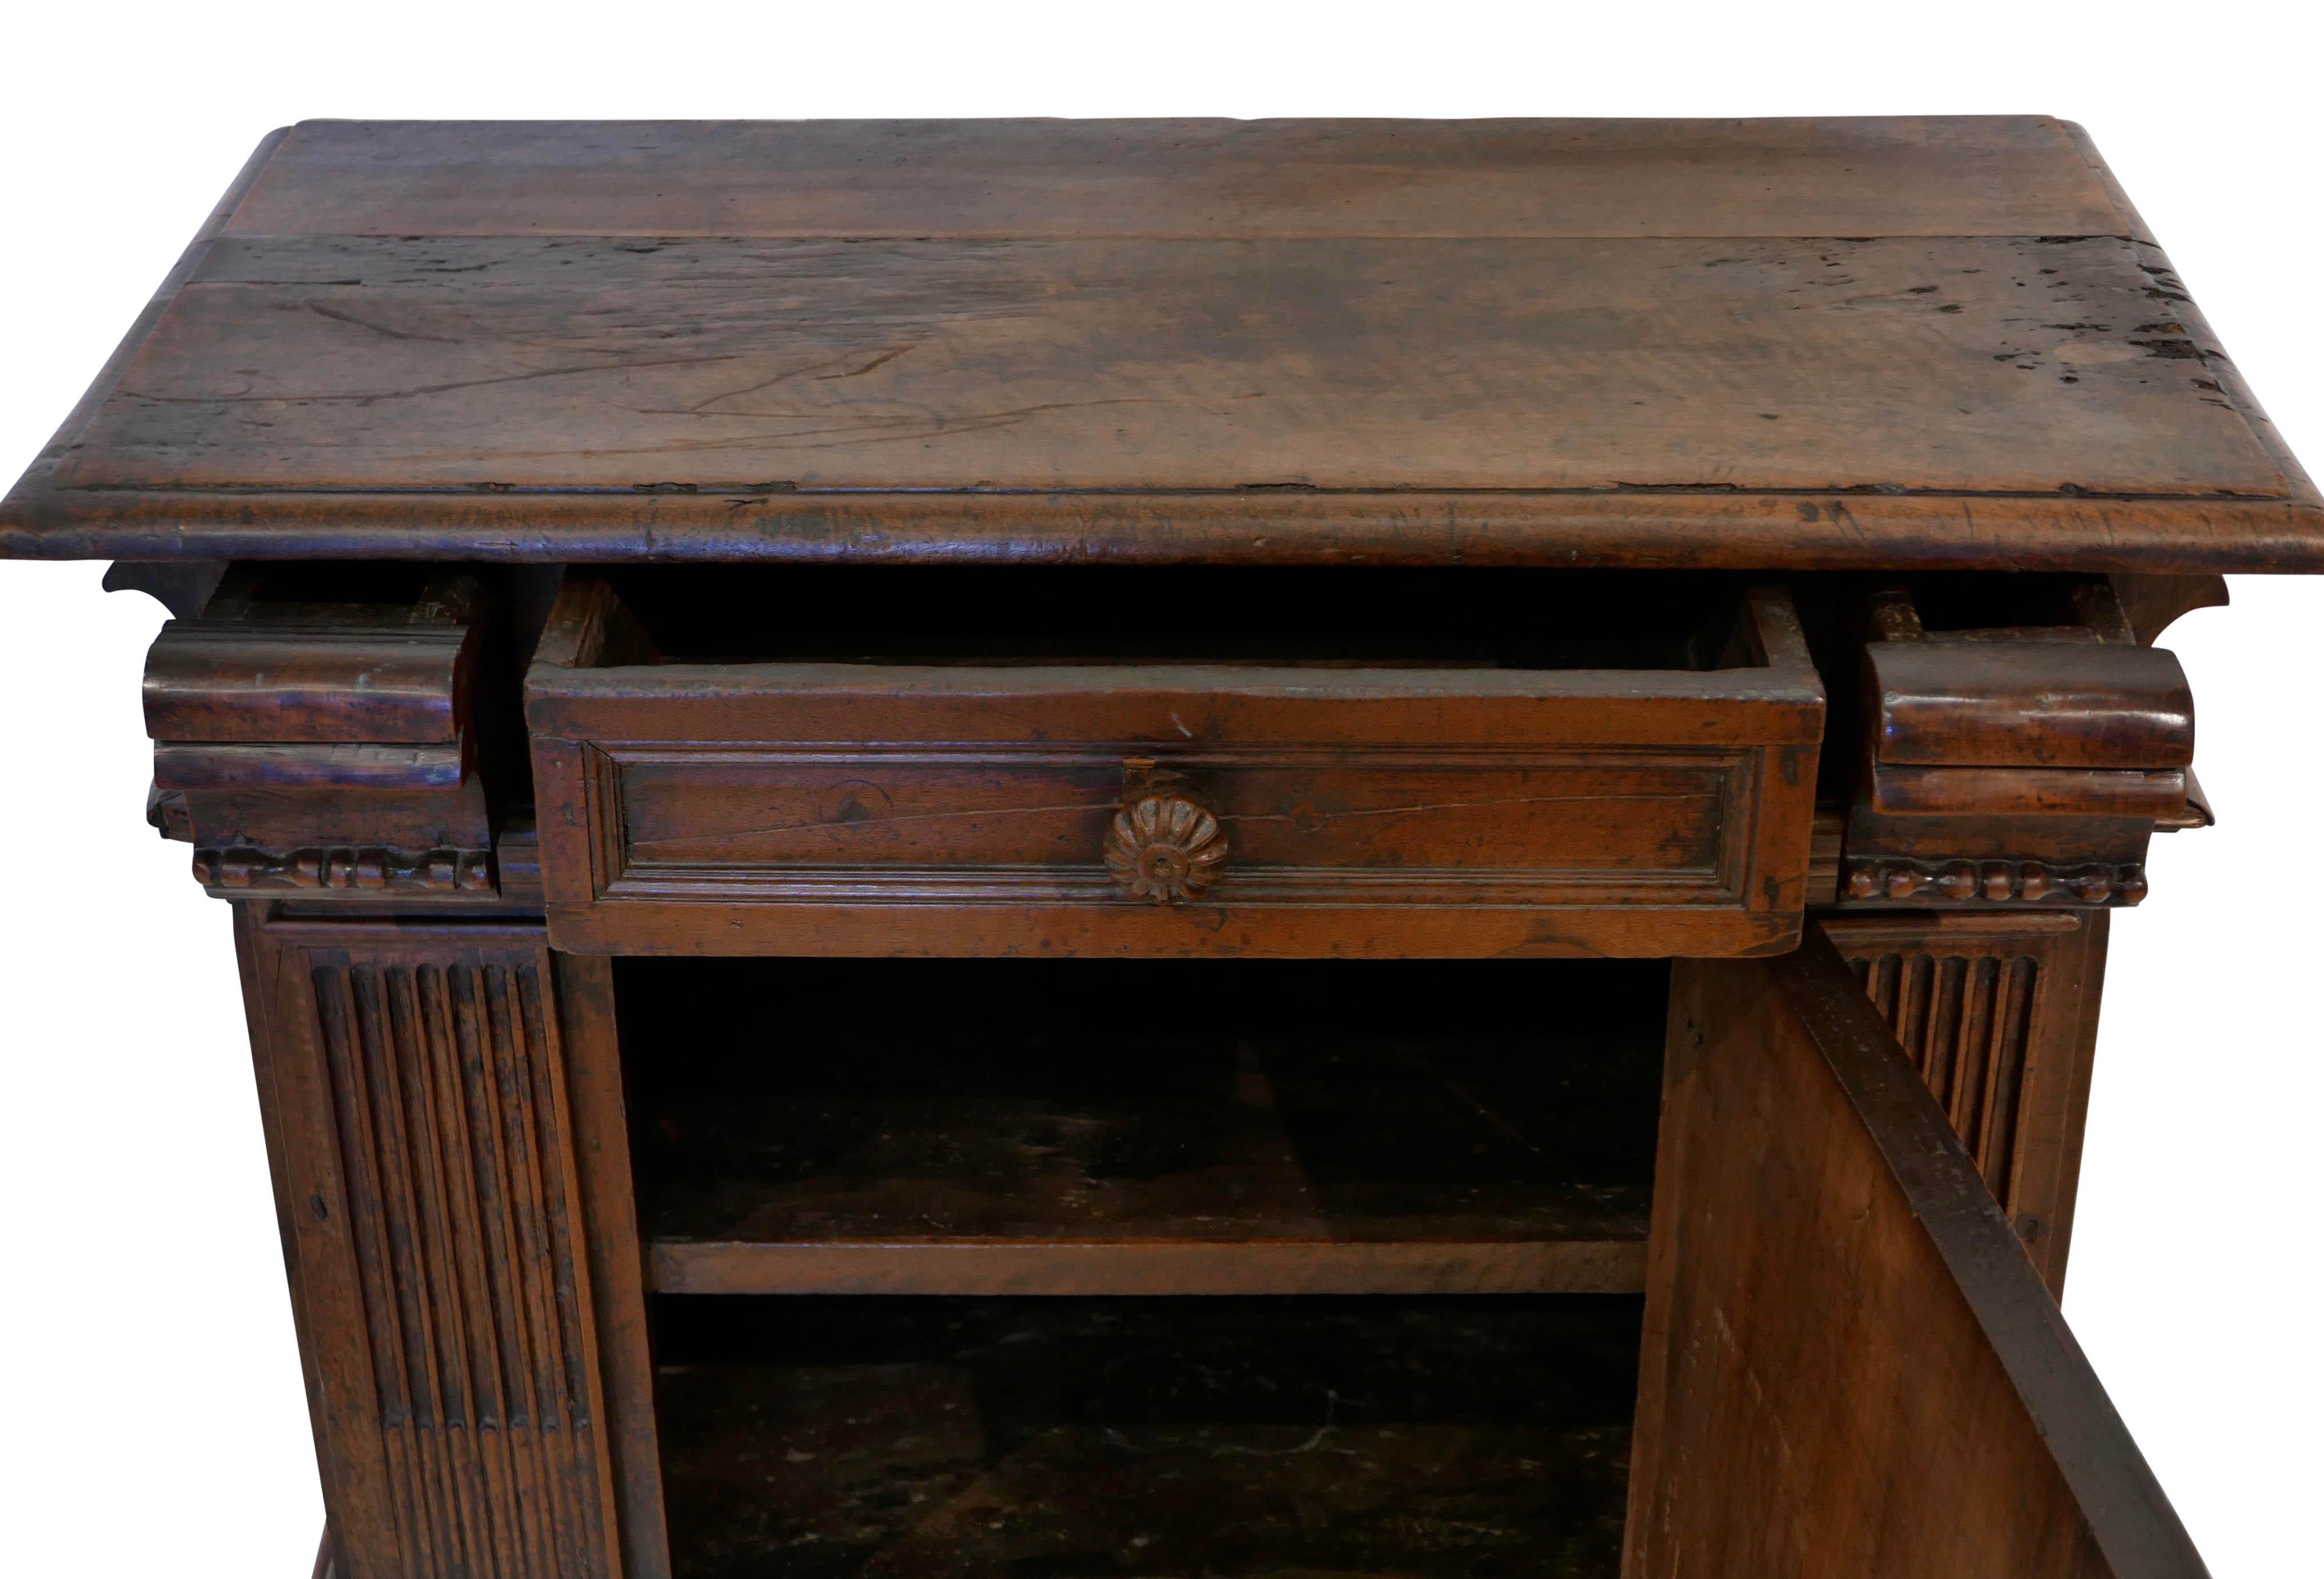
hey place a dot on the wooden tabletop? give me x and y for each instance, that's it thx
(1749, 343)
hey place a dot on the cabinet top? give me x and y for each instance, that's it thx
(1906, 343)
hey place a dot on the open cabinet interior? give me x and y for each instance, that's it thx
(1151, 1267)
(1163, 1436)
(1274, 1268)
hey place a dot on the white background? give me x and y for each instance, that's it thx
(152, 1419)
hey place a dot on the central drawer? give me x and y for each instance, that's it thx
(928, 788)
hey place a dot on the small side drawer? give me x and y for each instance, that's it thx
(1077, 796)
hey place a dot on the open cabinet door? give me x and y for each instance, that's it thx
(1850, 1368)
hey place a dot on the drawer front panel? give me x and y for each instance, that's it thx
(827, 809)
(1307, 828)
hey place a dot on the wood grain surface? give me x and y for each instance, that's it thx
(2030, 703)
(1971, 175)
(1849, 1365)
(1795, 343)
(1992, 364)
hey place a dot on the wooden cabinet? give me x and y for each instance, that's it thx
(1268, 848)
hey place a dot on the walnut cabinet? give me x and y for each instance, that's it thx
(1160, 847)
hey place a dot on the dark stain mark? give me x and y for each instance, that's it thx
(881, 360)
(365, 398)
(2171, 350)
(336, 315)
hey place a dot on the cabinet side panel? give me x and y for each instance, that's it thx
(442, 1262)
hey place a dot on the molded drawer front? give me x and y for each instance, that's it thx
(880, 808)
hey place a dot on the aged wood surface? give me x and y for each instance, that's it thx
(2024, 763)
(973, 1127)
(2000, 1015)
(1276, 1439)
(230, 683)
(1737, 344)
(1980, 365)
(1916, 792)
(2150, 603)
(418, 1083)
(1849, 1365)
(340, 732)
(2031, 703)
(1961, 175)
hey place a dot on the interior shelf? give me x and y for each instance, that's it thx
(827, 1438)
(1144, 1127)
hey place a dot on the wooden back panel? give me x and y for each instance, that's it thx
(1850, 1366)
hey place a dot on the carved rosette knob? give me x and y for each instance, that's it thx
(1164, 848)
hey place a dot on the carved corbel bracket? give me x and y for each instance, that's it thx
(326, 749)
(2015, 765)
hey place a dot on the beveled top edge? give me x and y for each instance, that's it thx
(1863, 176)
(1656, 531)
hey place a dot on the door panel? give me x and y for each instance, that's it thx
(1850, 1367)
